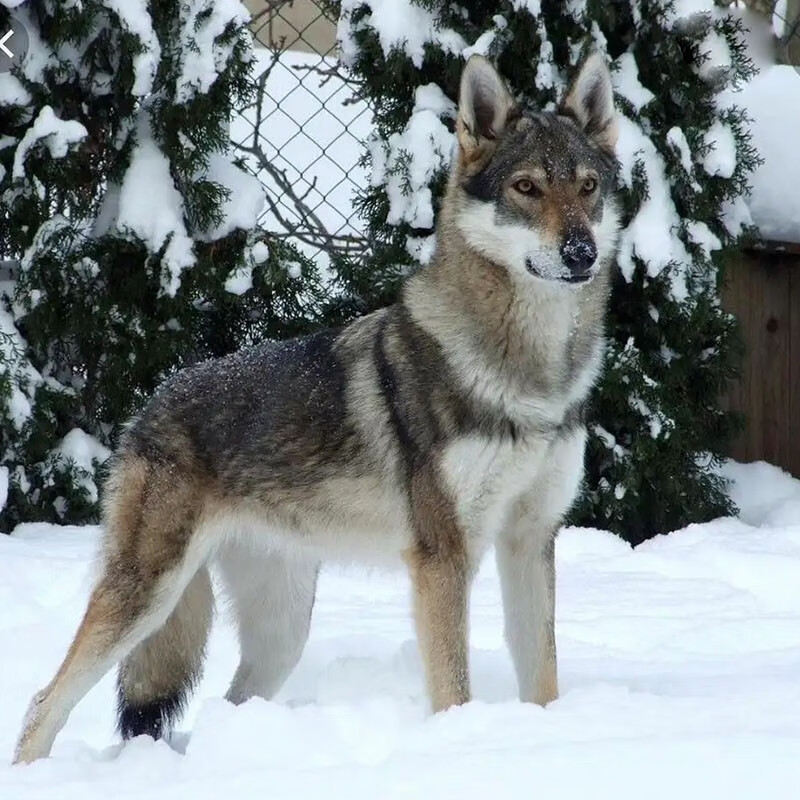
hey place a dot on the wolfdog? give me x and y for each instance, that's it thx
(423, 432)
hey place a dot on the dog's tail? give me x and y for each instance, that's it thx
(154, 681)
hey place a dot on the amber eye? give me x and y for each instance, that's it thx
(526, 186)
(589, 185)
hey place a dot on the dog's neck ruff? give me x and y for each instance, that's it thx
(529, 347)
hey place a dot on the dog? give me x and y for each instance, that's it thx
(422, 433)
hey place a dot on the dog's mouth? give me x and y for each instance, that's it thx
(568, 277)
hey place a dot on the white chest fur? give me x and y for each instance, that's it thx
(485, 476)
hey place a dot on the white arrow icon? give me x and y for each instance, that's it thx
(3, 41)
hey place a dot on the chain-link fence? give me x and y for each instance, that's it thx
(303, 134)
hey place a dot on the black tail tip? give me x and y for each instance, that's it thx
(154, 718)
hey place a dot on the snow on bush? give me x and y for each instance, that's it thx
(18, 379)
(650, 235)
(151, 208)
(244, 203)
(56, 134)
(135, 18)
(116, 180)
(772, 101)
(205, 51)
(401, 25)
(86, 454)
(409, 161)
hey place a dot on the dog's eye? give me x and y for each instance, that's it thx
(526, 186)
(589, 185)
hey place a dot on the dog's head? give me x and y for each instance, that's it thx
(537, 189)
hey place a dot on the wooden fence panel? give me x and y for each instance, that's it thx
(763, 291)
(793, 267)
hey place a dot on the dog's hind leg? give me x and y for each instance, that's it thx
(272, 597)
(150, 558)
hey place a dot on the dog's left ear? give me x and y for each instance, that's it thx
(590, 102)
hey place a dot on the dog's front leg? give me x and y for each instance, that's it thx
(440, 578)
(440, 608)
(526, 563)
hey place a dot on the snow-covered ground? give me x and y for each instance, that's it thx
(680, 678)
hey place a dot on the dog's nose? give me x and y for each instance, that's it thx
(578, 252)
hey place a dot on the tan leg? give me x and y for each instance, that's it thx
(149, 561)
(525, 553)
(97, 645)
(440, 605)
(440, 576)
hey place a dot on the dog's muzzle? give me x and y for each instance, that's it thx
(578, 254)
(578, 258)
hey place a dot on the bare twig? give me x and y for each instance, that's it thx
(308, 228)
(261, 93)
(292, 202)
(328, 71)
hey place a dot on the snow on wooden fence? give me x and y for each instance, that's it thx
(763, 281)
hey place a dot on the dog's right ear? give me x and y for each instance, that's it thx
(483, 110)
(590, 102)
